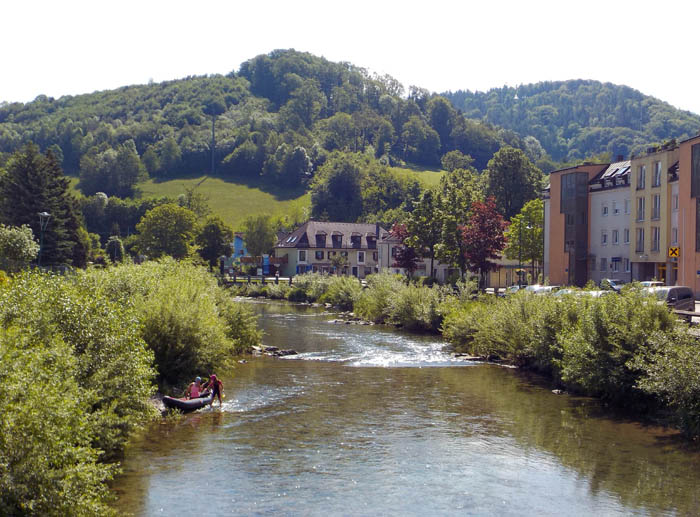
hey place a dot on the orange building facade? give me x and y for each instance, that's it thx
(689, 226)
(567, 214)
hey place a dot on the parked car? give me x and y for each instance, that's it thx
(611, 283)
(680, 298)
(512, 290)
(542, 289)
(651, 283)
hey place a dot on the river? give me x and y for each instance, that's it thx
(368, 420)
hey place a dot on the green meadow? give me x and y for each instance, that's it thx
(233, 202)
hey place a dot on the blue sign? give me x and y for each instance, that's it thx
(266, 264)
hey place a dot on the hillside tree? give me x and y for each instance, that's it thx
(35, 183)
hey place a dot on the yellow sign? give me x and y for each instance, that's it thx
(674, 251)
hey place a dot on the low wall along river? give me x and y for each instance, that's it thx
(373, 421)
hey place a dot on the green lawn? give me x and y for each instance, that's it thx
(233, 202)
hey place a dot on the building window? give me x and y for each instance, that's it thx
(639, 248)
(302, 255)
(615, 208)
(627, 206)
(641, 177)
(360, 257)
(656, 180)
(375, 256)
(605, 210)
(319, 255)
(615, 237)
(604, 238)
(627, 265)
(674, 235)
(603, 264)
(656, 206)
(355, 241)
(674, 202)
(615, 266)
(655, 234)
(626, 235)
(320, 240)
(343, 253)
(394, 251)
(331, 254)
(337, 241)
(641, 205)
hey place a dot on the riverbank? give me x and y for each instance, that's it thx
(80, 357)
(625, 349)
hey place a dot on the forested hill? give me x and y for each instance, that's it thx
(575, 119)
(275, 117)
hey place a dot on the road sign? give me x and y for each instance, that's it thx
(674, 251)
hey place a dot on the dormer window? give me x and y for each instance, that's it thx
(321, 240)
(371, 242)
(356, 240)
(337, 240)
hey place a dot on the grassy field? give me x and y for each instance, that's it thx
(428, 178)
(233, 202)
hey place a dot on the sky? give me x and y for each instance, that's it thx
(74, 46)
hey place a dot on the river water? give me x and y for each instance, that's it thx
(367, 420)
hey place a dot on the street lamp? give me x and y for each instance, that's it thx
(43, 223)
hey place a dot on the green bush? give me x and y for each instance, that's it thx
(373, 304)
(179, 307)
(314, 285)
(417, 307)
(113, 366)
(296, 294)
(670, 367)
(278, 291)
(342, 292)
(48, 465)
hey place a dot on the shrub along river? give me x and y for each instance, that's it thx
(368, 420)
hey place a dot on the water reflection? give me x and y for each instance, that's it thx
(321, 434)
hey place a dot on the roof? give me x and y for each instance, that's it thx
(305, 235)
(614, 171)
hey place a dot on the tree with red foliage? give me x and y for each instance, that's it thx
(484, 237)
(406, 256)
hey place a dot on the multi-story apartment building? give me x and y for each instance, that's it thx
(609, 241)
(312, 246)
(653, 178)
(635, 220)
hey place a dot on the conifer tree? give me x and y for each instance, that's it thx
(35, 183)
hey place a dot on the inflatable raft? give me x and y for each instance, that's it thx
(188, 404)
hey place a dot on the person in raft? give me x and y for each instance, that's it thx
(195, 389)
(216, 386)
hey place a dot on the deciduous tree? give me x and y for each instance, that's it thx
(17, 247)
(166, 230)
(214, 240)
(483, 236)
(512, 180)
(525, 234)
(425, 226)
(260, 234)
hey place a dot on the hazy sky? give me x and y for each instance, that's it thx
(70, 47)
